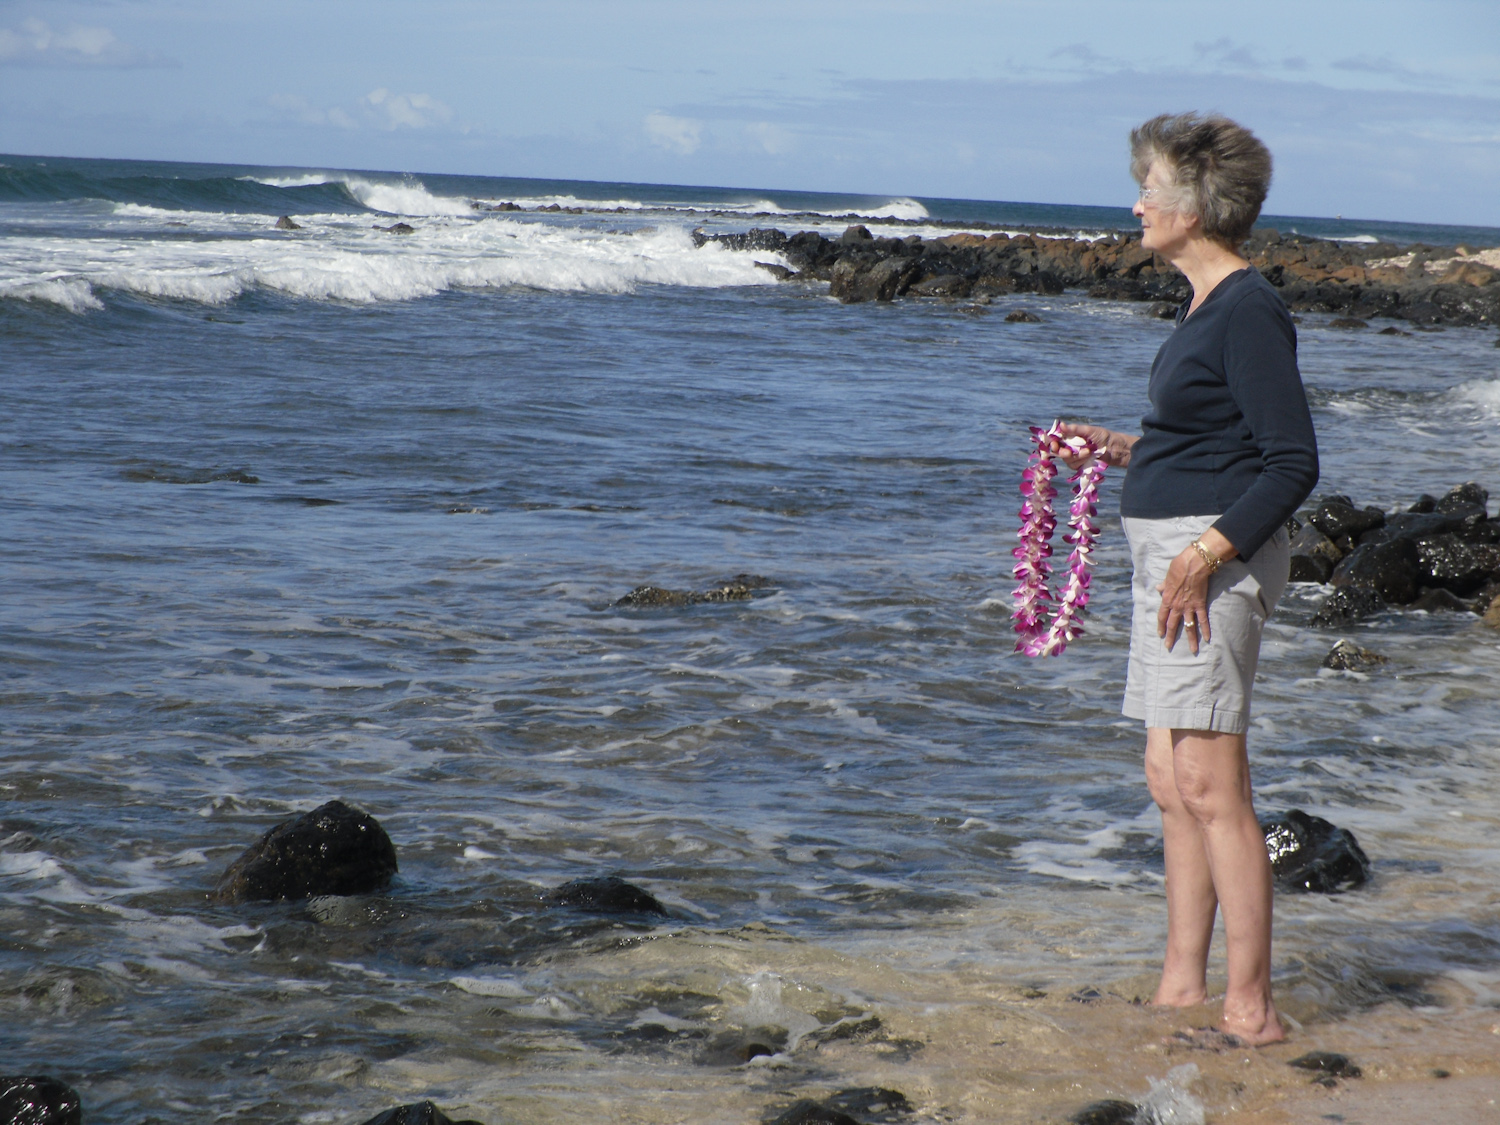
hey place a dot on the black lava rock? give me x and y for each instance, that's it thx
(286, 223)
(740, 588)
(1327, 1062)
(871, 1103)
(1313, 556)
(1449, 562)
(1022, 316)
(735, 1048)
(1109, 1112)
(333, 850)
(609, 895)
(809, 1112)
(1346, 656)
(1347, 604)
(1464, 498)
(1413, 525)
(28, 1100)
(1440, 601)
(1335, 518)
(1424, 503)
(1310, 854)
(418, 1113)
(1392, 568)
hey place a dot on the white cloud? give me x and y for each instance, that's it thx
(379, 108)
(405, 111)
(35, 43)
(772, 138)
(675, 134)
(302, 111)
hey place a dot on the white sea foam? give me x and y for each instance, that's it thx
(1170, 1102)
(72, 294)
(1484, 393)
(311, 179)
(407, 198)
(404, 197)
(904, 209)
(340, 258)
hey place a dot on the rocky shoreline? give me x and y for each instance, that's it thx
(1425, 286)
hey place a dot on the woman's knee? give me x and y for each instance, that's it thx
(1209, 794)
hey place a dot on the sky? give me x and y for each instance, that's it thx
(1372, 109)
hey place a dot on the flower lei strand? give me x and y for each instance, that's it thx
(1039, 637)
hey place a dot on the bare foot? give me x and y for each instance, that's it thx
(1255, 1025)
(1171, 995)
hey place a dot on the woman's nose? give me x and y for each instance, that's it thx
(1138, 210)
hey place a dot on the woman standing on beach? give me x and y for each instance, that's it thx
(1226, 454)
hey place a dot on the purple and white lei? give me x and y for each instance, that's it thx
(1039, 636)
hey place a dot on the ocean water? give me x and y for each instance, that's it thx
(337, 512)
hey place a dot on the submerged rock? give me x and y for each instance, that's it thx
(418, 1113)
(871, 1103)
(1022, 316)
(1346, 656)
(740, 588)
(608, 895)
(286, 223)
(1347, 604)
(398, 228)
(1111, 1111)
(1327, 1062)
(809, 1112)
(333, 850)
(1310, 854)
(35, 1100)
(735, 1048)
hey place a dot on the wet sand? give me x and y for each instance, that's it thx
(973, 1045)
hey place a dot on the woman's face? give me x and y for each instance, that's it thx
(1162, 229)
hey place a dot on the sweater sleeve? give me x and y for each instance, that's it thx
(1260, 368)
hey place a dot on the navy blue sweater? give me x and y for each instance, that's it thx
(1229, 432)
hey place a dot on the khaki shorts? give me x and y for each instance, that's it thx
(1210, 691)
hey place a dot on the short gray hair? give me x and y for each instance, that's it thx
(1220, 169)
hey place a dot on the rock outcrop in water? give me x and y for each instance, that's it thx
(32, 1100)
(286, 222)
(1438, 555)
(1328, 1066)
(1310, 854)
(1346, 656)
(740, 588)
(1424, 285)
(863, 1105)
(333, 850)
(418, 1113)
(609, 895)
(1111, 1111)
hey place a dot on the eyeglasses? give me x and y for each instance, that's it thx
(1149, 193)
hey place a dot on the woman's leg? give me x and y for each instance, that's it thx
(1211, 772)
(1191, 901)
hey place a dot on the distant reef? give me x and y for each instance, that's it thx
(1424, 286)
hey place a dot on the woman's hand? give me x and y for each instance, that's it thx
(1184, 593)
(1112, 448)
